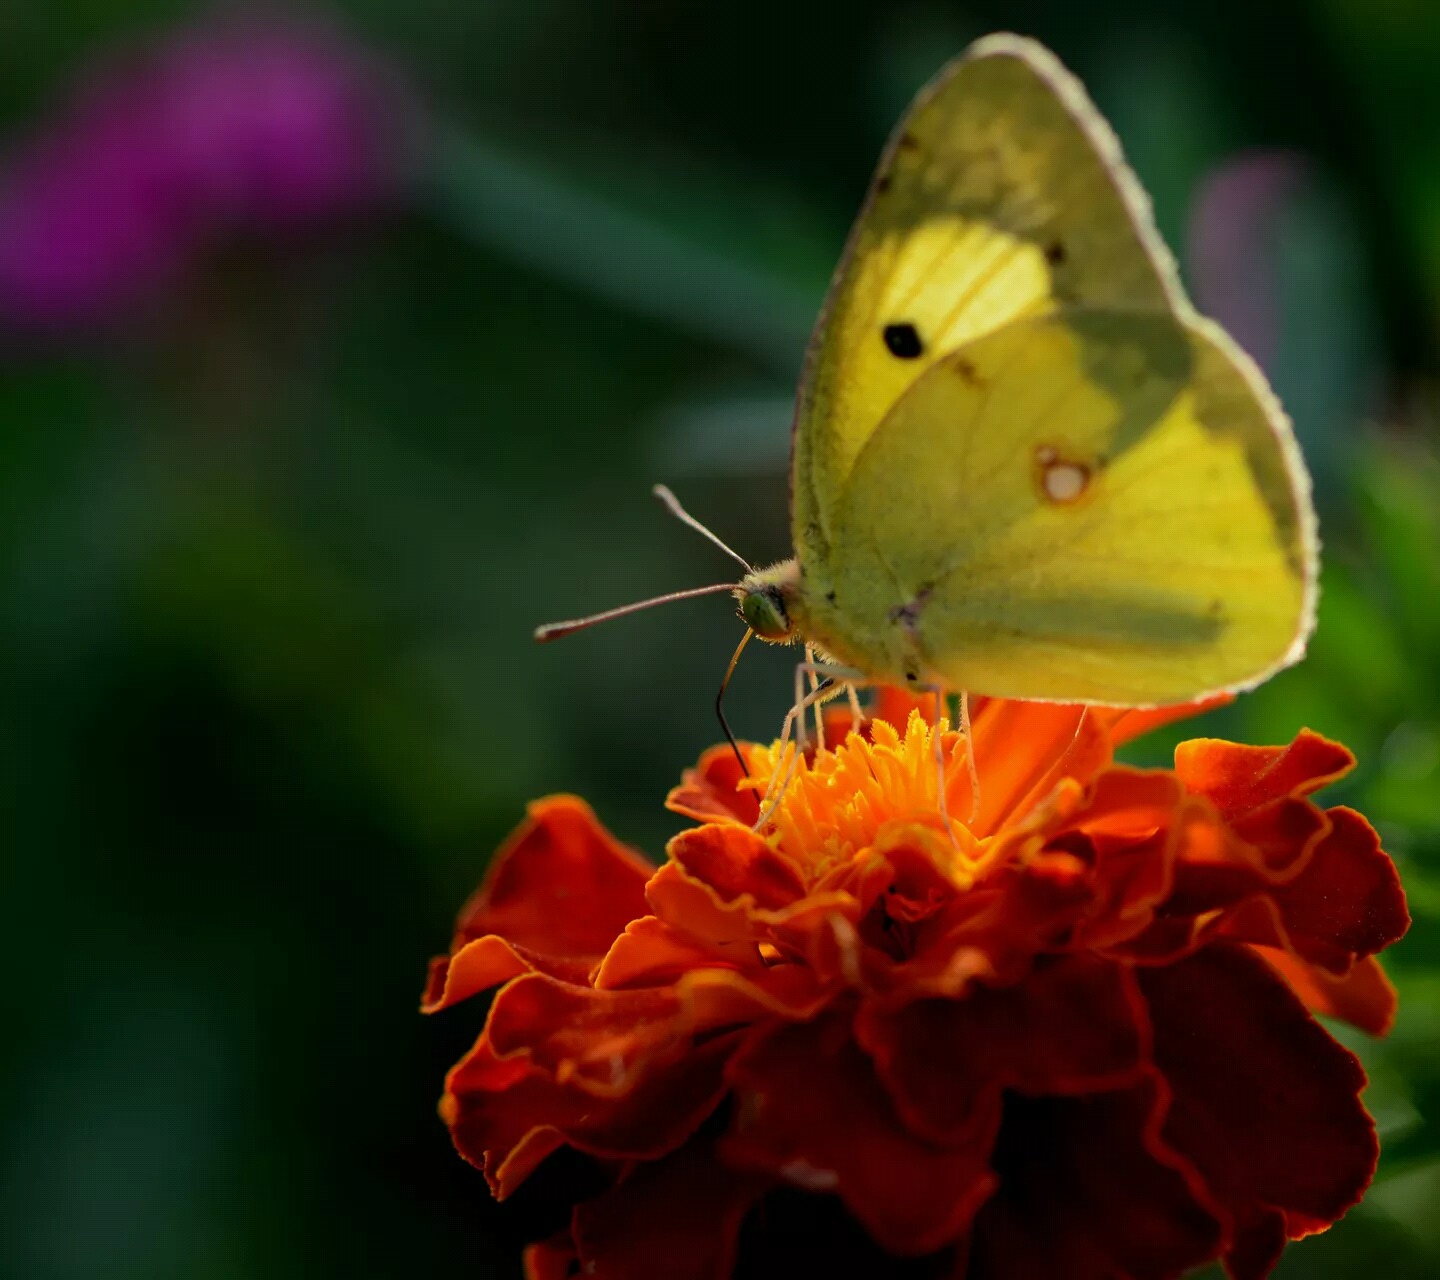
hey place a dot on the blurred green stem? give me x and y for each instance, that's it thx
(533, 217)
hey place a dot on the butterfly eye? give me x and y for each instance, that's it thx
(764, 613)
(902, 341)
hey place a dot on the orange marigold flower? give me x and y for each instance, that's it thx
(1075, 1040)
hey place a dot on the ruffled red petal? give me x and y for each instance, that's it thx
(735, 861)
(710, 792)
(506, 1114)
(1266, 1105)
(1127, 723)
(600, 1040)
(810, 1110)
(677, 1218)
(1076, 1024)
(1060, 741)
(1238, 779)
(1347, 901)
(1086, 1193)
(553, 1259)
(1364, 997)
(556, 896)
(652, 952)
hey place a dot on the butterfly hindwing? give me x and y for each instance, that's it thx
(1101, 506)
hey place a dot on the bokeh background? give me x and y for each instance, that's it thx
(339, 347)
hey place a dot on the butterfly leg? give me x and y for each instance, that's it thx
(857, 716)
(828, 676)
(815, 688)
(939, 750)
(942, 802)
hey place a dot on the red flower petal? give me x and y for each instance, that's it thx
(1265, 1103)
(735, 861)
(1023, 909)
(1076, 1024)
(506, 1115)
(652, 952)
(1059, 741)
(556, 896)
(811, 1110)
(487, 962)
(1364, 998)
(1347, 900)
(1083, 1196)
(709, 792)
(1127, 723)
(1238, 778)
(600, 1040)
(677, 1219)
(680, 899)
(554, 1259)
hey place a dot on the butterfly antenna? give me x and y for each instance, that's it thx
(720, 699)
(555, 630)
(672, 505)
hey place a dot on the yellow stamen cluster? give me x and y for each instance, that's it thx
(851, 796)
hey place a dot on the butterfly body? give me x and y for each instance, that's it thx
(1023, 465)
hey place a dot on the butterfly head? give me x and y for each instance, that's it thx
(766, 598)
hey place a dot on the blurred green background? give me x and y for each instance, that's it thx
(276, 521)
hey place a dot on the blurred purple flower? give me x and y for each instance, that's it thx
(1230, 245)
(229, 129)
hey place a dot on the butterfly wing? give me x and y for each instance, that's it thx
(1021, 462)
(1001, 194)
(1092, 505)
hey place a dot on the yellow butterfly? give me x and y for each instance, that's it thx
(1023, 465)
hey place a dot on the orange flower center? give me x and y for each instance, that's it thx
(860, 794)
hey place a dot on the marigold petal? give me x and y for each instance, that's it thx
(652, 952)
(1343, 903)
(1364, 997)
(1136, 823)
(678, 1218)
(736, 863)
(553, 1259)
(1258, 1240)
(1075, 1024)
(600, 1040)
(1023, 748)
(710, 791)
(487, 962)
(1083, 1196)
(558, 893)
(1238, 778)
(1128, 723)
(1266, 1104)
(811, 1110)
(1025, 908)
(1348, 895)
(691, 905)
(506, 1115)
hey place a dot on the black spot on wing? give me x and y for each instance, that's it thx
(903, 341)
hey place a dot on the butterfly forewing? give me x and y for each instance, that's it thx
(1001, 194)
